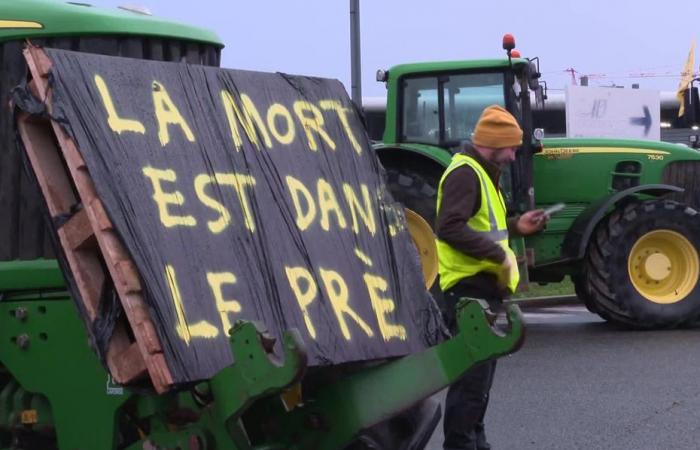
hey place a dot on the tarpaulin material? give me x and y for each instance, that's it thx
(246, 196)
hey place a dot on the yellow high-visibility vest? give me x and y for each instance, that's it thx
(489, 220)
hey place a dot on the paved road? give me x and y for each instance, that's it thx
(579, 383)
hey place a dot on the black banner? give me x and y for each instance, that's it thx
(246, 195)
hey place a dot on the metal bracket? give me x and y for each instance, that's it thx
(341, 409)
(255, 372)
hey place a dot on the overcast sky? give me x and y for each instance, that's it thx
(614, 41)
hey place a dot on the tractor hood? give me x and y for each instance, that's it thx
(48, 18)
(605, 145)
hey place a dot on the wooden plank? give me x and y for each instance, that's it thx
(77, 230)
(98, 210)
(39, 66)
(129, 276)
(48, 165)
(125, 359)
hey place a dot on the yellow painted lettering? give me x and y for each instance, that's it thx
(116, 123)
(163, 199)
(186, 331)
(167, 114)
(337, 291)
(276, 110)
(362, 256)
(337, 107)
(248, 116)
(239, 182)
(299, 276)
(376, 287)
(327, 203)
(220, 224)
(304, 216)
(356, 208)
(312, 123)
(225, 307)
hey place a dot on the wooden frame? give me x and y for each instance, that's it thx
(93, 250)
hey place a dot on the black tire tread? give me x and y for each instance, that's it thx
(597, 285)
(416, 189)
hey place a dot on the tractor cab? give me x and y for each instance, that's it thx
(438, 105)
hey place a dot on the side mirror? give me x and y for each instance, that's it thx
(540, 94)
(691, 103)
(533, 78)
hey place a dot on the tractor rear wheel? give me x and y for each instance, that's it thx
(416, 190)
(642, 266)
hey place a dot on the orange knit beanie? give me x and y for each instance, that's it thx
(497, 128)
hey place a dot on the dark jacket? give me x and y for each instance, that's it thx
(461, 199)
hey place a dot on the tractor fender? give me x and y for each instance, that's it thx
(576, 240)
(435, 156)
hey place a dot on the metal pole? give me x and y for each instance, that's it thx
(355, 55)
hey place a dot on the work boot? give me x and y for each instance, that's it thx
(481, 443)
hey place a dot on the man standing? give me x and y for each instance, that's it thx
(474, 257)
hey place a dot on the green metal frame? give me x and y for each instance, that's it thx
(352, 404)
(44, 347)
(40, 274)
(58, 384)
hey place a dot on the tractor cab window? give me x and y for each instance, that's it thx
(420, 111)
(443, 109)
(466, 96)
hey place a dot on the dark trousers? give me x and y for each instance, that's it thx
(468, 397)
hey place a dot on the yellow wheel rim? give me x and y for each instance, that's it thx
(424, 240)
(663, 266)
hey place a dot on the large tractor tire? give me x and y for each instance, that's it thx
(415, 187)
(642, 265)
(582, 293)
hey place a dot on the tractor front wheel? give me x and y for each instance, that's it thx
(642, 266)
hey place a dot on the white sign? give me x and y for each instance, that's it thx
(612, 112)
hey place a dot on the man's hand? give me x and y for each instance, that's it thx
(506, 269)
(532, 222)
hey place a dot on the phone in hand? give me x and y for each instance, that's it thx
(554, 209)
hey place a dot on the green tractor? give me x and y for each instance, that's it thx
(628, 236)
(55, 393)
